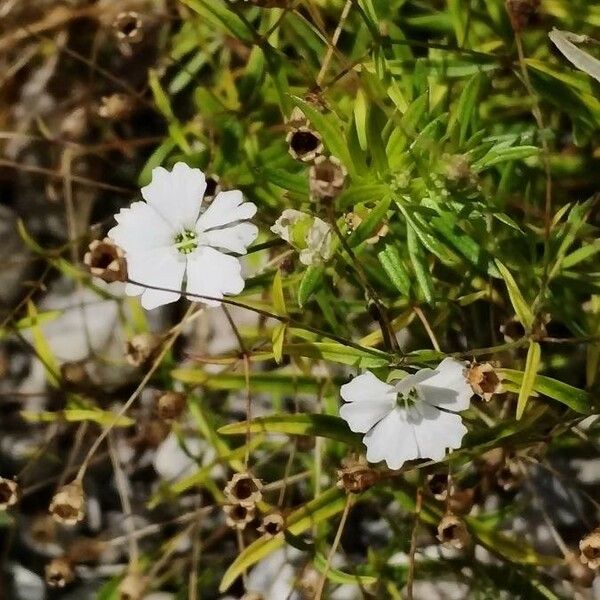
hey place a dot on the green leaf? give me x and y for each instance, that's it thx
(467, 105)
(312, 280)
(42, 348)
(277, 341)
(360, 118)
(319, 425)
(419, 265)
(371, 223)
(77, 415)
(390, 260)
(521, 307)
(532, 364)
(277, 295)
(339, 577)
(576, 399)
(336, 352)
(320, 509)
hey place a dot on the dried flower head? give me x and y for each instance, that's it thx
(86, 550)
(128, 27)
(297, 119)
(356, 476)
(140, 348)
(304, 143)
(580, 574)
(272, 524)
(590, 549)
(452, 531)
(461, 502)
(152, 433)
(74, 125)
(437, 484)
(9, 493)
(521, 12)
(116, 107)
(59, 572)
(244, 489)
(171, 405)
(457, 168)
(238, 516)
(68, 504)
(484, 380)
(43, 529)
(133, 587)
(106, 260)
(326, 177)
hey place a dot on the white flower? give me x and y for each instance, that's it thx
(410, 419)
(168, 239)
(310, 235)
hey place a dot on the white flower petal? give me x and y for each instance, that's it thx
(235, 239)
(141, 228)
(177, 194)
(227, 207)
(212, 273)
(361, 416)
(447, 386)
(392, 440)
(162, 267)
(366, 388)
(282, 227)
(435, 430)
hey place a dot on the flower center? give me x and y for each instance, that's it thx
(186, 241)
(407, 398)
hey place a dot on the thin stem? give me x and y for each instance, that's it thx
(413, 546)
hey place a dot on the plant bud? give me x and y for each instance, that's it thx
(68, 504)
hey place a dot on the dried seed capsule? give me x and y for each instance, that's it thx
(140, 348)
(521, 12)
(452, 531)
(68, 504)
(171, 405)
(590, 549)
(580, 574)
(243, 489)
(74, 373)
(437, 484)
(116, 107)
(106, 260)
(9, 493)
(484, 380)
(238, 516)
(59, 572)
(326, 177)
(356, 476)
(272, 524)
(128, 27)
(304, 143)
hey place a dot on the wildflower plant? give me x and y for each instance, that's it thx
(398, 262)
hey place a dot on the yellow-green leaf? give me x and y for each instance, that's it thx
(531, 368)
(519, 303)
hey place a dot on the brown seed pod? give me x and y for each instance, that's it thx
(9, 493)
(68, 504)
(272, 524)
(59, 572)
(326, 177)
(106, 260)
(512, 330)
(304, 143)
(238, 516)
(244, 489)
(140, 348)
(85, 550)
(356, 476)
(590, 549)
(213, 187)
(74, 373)
(461, 501)
(171, 405)
(452, 531)
(580, 574)
(484, 380)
